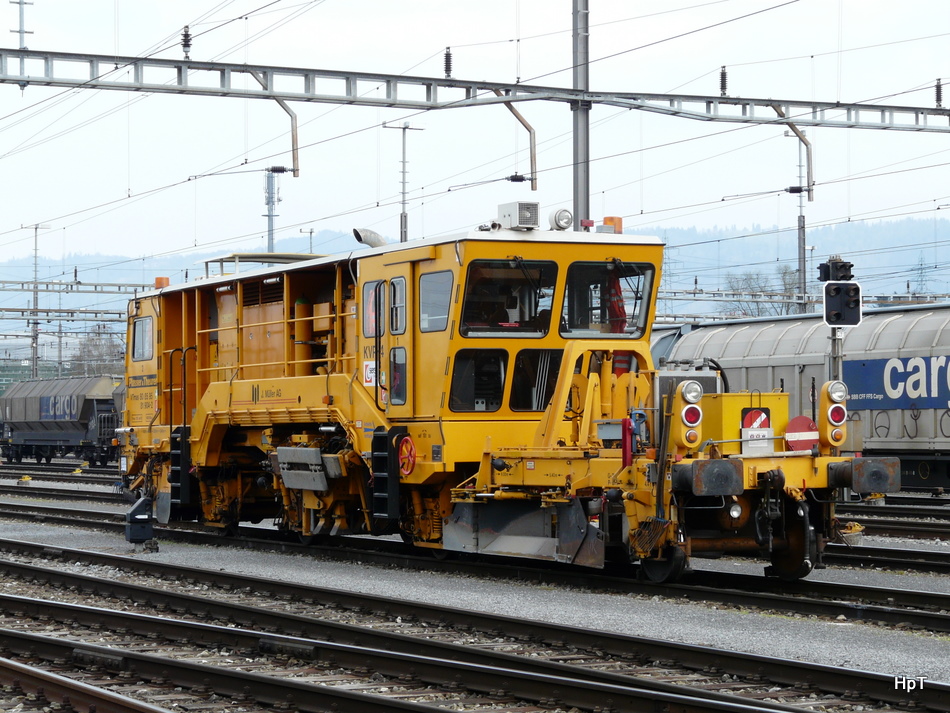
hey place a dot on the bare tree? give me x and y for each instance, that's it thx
(100, 351)
(760, 295)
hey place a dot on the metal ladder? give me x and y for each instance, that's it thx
(385, 469)
(181, 482)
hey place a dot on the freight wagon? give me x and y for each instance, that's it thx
(47, 418)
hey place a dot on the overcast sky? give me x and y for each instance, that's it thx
(109, 171)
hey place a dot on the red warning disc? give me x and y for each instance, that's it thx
(801, 434)
(755, 418)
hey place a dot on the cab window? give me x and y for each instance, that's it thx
(142, 339)
(508, 297)
(606, 299)
(435, 296)
(397, 367)
(478, 380)
(374, 308)
(397, 305)
(534, 378)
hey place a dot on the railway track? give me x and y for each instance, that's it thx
(912, 517)
(401, 646)
(84, 494)
(84, 478)
(29, 689)
(314, 675)
(72, 469)
(903, 527)
(938, 513)
(915, 521)
(932, 500)
(887, 606)
(891, 558)
(921, 560)
(938, 527)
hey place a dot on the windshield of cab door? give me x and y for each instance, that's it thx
(510, 296)
(606, 299)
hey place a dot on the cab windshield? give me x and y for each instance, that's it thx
(606, 299)
(511, 296)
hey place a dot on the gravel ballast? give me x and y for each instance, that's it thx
(837, 643)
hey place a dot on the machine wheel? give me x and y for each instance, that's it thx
(668, 569)
(799, 558)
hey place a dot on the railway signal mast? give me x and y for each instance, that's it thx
(842, 304)
(842, 296)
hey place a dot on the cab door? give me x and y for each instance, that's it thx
(391, 323)
(397, 357)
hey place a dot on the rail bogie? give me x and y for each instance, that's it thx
(489, 393)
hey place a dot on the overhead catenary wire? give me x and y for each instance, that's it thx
(394, 200)
(260, 9)
(218, 25)
(431, 194)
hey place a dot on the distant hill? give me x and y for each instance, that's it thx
(694, 256)
(99, 268)
(891, 257)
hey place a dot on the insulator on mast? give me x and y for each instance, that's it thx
(939, 88)
(722, 80)
(448, 62)
(186, 42)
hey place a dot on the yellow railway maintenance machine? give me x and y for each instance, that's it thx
(488, 393)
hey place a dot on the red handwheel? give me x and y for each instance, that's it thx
(407, 455)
